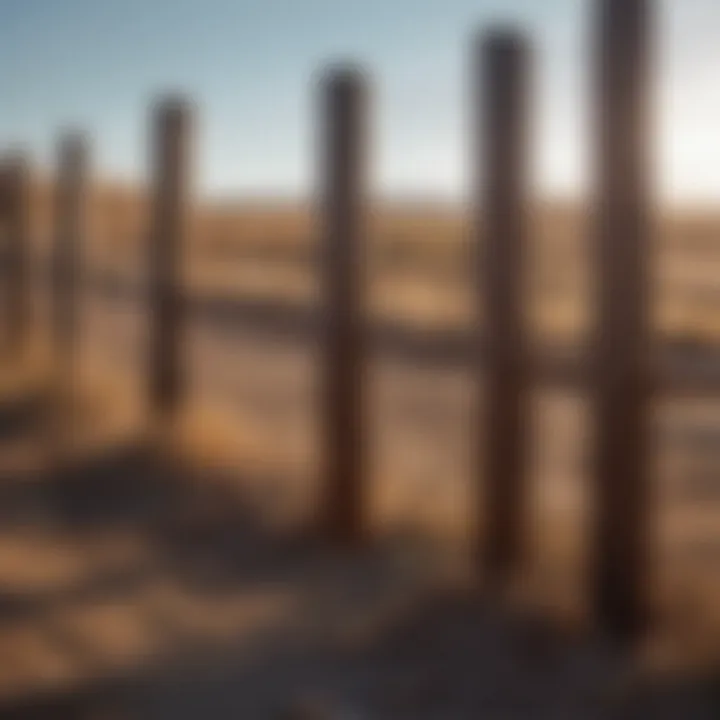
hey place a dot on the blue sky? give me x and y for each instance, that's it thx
(251, 65)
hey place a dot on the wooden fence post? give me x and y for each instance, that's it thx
(16, 254)
(171, 149)
(619, 568)
(66, 272)
(501, 165)
(345, 495)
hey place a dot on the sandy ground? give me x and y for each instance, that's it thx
(134, 587)
(137, 585)
(148, 587)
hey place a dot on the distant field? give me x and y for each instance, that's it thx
(253, 395)
(420, 260)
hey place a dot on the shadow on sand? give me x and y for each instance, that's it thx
(233, 617)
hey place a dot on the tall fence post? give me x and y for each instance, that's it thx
(501, 108)
(171, 148)
(16, 254)
(66, 274)
(344, 493)
(619, 569)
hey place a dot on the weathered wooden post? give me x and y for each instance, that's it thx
(66, 271)
(620, 588)
(171, 146)
(501, 167)
(16, 253)
(344, 501)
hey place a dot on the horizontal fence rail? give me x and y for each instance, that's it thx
(675, 367)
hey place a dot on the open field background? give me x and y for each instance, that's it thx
(253, 375)
(257, 368)
(420, 258)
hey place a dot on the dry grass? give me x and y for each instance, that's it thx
(419, 271)
(420, 260)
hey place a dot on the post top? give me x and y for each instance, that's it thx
(344, 76)
(15, 159)
(172, 105)
(503, 38)
(72, 141)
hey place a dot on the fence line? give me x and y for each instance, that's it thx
(621, 376)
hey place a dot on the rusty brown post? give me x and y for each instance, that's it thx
(501, 164)
(69, 222)
(16, 253)
(171, 147)
(343, 504)
(619, 569)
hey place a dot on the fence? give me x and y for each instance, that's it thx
(620, 385)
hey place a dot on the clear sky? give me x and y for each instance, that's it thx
(250, 65)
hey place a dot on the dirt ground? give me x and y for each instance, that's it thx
(173, 577)
(137, 587)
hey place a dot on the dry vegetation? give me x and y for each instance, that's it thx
(253, 404)
(419, 259)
